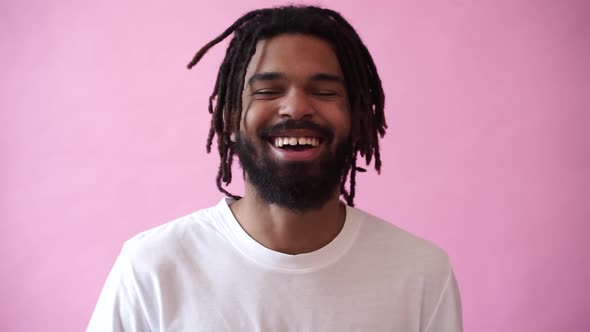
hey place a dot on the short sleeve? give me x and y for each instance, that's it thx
(119, 308)
(447, 315)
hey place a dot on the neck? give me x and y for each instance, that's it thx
(284, 230)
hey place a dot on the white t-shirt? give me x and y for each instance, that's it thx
(203, 272)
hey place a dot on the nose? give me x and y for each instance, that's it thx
(296, 105)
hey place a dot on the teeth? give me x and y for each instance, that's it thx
(281, 141)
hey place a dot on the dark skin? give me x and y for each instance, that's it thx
(306, 83)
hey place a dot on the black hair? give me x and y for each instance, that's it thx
(365, 93)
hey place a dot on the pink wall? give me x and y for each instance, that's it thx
(103, 134)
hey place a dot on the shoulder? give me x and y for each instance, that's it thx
(171, 241)
(417, 266)
(400, 249)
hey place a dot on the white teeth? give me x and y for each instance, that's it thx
(282, 141)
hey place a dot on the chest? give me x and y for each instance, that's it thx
(244, 298)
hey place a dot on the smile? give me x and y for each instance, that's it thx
(296, 148)
(287, 142)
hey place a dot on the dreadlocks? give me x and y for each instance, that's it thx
(366, 98)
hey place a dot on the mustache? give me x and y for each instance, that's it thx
(290, 124)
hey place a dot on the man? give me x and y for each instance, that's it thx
(297, 99)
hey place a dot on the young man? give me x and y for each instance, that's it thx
(297, 99)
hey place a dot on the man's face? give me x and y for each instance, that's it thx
(295, 126)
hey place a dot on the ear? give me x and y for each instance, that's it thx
(228, 131)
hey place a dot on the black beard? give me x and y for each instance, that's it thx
(297, 186)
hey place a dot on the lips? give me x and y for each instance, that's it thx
(295, 141)
(296, 145)
(297, 129)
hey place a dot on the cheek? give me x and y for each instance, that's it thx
(342, 122)
(254, 118)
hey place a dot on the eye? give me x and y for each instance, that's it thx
(266, 94)
(325, 93)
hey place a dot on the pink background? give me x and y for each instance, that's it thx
(487, 155)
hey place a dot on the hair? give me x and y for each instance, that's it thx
(365, 93)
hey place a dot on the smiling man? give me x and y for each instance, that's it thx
(297, 99)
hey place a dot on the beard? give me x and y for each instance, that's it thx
(295, 185)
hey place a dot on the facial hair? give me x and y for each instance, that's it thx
(297, 186)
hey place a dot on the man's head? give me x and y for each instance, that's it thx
(293, 138)
(297, 98)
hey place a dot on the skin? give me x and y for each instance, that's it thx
(306, 83)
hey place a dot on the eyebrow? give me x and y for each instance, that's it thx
(267, 76)
(275, 76)
(323, 77)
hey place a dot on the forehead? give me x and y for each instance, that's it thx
(294, 55)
